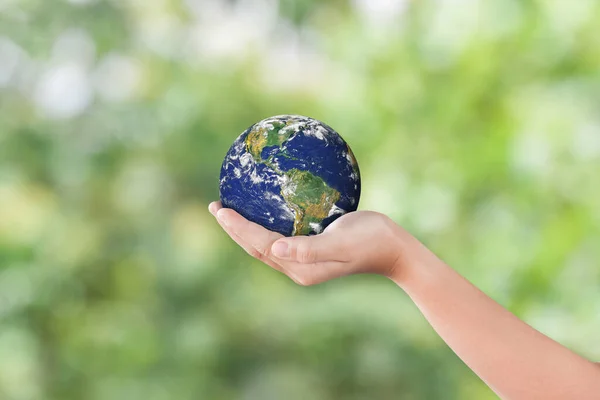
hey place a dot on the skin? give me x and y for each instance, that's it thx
(513, 359)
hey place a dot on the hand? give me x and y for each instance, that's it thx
(358, 242)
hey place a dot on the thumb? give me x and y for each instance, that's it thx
(308, 249)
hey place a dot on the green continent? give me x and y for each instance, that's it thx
(261, 137)
(310, 198)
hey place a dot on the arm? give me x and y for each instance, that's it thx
(515, 360)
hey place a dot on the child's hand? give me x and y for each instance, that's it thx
(358, 242)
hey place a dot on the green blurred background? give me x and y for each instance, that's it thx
(476, 125)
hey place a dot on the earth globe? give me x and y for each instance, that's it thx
(290, 174)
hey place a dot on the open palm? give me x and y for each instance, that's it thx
(358, 242)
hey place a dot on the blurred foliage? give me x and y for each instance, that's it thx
(476, 126)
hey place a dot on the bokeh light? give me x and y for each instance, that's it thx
(475, 124)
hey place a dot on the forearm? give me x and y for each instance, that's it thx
(514, 359)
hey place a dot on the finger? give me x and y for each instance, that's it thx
(294, 275)
(252, 251)
(214, 207)
(257, 242)
(310, 249)
(253, 234)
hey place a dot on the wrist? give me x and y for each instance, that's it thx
(415, 265)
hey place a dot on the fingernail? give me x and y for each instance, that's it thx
(281, 250)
